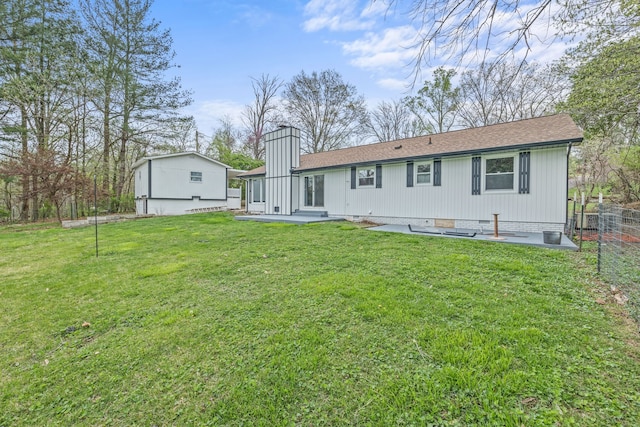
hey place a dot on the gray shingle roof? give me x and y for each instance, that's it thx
(548, 130)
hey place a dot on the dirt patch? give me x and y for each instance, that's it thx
(610, 237)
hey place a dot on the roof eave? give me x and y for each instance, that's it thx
(447, 154)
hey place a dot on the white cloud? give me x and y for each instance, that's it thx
(209, 113)
(337, 15)
(392, 49)
(375, 8)
(255, 16)
(393, 84)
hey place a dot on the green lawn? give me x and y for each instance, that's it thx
(203, 320)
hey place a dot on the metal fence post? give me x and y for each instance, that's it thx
(600, 228)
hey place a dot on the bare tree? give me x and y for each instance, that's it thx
(260, 117)
(470, 30)
(329, 112)
(501, 92)
(392, 120)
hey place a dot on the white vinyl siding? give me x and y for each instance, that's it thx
(453, 199)
(169, 175)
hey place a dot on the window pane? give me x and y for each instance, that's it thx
(308, 191)
(319, 190)
(196, 176)
(256, 190)
(424, 168)
(423, 178)
(423, 173)
(502, 165)
(366, 177)
(499, 182)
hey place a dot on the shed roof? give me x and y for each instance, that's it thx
(232, 173)
(541, 131)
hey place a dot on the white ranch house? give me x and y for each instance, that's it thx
(458, 179)
(181, 183)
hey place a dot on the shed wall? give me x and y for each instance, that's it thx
(171, 178)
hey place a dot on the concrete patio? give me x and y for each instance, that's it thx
(517, 238)
(291, 219)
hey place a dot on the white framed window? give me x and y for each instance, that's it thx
(314, 190)
(366, 176)
(257, 190)
(500, 172)
(423, 173)
(196, 176)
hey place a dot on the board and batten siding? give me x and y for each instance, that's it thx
(544, 207)
(336, 181)
(282, 155)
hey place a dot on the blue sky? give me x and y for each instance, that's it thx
(220, 44)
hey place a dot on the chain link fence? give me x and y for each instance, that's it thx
(619, 254)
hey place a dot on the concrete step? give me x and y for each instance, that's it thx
(299, 212)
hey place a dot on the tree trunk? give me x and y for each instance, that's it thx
(25, 179)
(106, 148)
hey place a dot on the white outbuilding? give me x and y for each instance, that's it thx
(181, 183)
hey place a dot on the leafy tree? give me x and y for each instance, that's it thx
(436, 104)
(261, 116)
(39, 68)
(605, 102)
(591, 163)
(329, 112)
(130, 54)
(605, 93)
(225, 148)
(93, 101)
(626, 169)
(225, 139)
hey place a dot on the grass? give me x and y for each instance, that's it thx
(203, 320)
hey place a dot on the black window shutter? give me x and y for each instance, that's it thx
(524, 175)
(353, 177)
(476, 175)
(437, 169)
(409, 174)
(378, 176)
